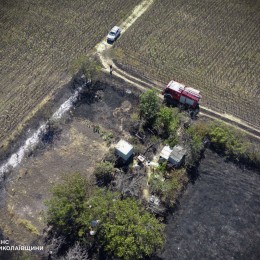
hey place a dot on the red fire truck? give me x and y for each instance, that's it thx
(176, 92)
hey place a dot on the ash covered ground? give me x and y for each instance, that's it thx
(218, 216)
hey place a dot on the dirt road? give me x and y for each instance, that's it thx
(106, 59)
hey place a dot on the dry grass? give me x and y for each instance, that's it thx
(210, 45)
(39, 41)
(28, 225)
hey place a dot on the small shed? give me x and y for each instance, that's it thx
(124, 149)
(174, 156)
(177, 155)
(165, 153)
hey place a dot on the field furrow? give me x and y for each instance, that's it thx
(39, 41)
(212, 45)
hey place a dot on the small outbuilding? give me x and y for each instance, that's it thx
(177, 155)
(174, 156)
(124, 149)
(165, 153)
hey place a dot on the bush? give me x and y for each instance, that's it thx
(67, 204)
(104, 172)
(168, 189)
(129, 232)
(149, 106)
(111, 156)
(195, 143)
(227, 140)
(164, 118)
(122, 227)
(89, 67)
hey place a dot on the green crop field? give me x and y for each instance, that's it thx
(39, 41)
(211, 45)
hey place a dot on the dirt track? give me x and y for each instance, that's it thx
(103, 52)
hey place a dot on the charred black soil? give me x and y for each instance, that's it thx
(218, 216)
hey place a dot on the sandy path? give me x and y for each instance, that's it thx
(102, 51)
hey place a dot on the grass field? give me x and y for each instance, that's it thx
(39, 40)
(212, 45)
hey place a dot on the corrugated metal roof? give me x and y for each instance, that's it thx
(166, 151)
(177, 153)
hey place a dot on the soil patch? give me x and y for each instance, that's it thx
(76, 148)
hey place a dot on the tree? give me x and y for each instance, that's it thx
(149, 106)
(104, 172)
(77, 252)
(89, 67)
(67, 204)
(129, 232)
(163, 119)
(122, 227)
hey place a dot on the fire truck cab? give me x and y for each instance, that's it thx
(179, 93)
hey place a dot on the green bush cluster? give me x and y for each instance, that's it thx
(104, 172)
(168, 188)
(149, 106)
(164, 119)
(225, 139)
(122, 227)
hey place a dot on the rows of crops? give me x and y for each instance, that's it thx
(212, 45)
(39, 40)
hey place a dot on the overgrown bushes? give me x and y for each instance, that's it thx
(163, 119)
(104, 172)
(122, 228)
(226, 140)
(168, 184)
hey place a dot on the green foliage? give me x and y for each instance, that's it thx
(162, 168)
(226, 139)
(124, 228)
(168, 188)
(89, 67)
(28, 225)
(164, 118)
(104, 172)
(172, 132)
(149, 106)
(195, 142)
(129, 232)
(134, 117)
(158, 185)
(67, 204)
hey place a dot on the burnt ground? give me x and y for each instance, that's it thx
(75, 147)
(218, 216)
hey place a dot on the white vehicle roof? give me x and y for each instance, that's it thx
(114, 29)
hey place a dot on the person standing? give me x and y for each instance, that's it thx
(111, 69)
